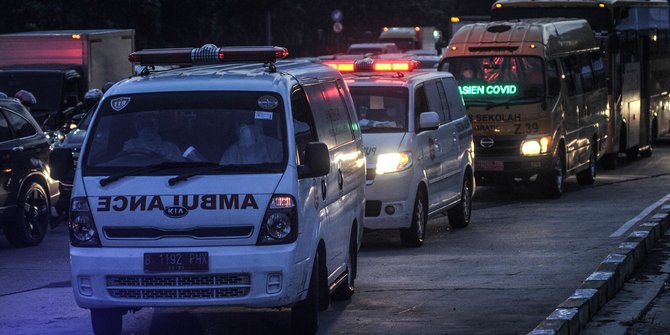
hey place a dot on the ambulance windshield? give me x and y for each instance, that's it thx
(242, 131)
(494, 79)
(381, 109)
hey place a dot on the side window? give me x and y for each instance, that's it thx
(586, 72)
(443, 98)
(456, 107)
(552, 76)
(320, 110)
(598, 67)
(341, 118)
(5, 133)
(21, 126)
(434, 101)
(303, 126)
(573, 77)
(420, 104)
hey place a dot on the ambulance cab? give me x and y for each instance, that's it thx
(418, 145)
(236, 179)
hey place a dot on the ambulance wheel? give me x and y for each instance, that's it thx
(413, 236)
(347, 288)
(32, 217)
(459, 216)
(107, 321)
(551, 183)
(588, 176)
(305, 314)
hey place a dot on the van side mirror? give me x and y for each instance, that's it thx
(61, 164)
(428, 121)
(317, 161)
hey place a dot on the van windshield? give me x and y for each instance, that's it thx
(241, 131)
(381, 109)
(490, 80)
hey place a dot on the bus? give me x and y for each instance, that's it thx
(536, 94)
(635, 42)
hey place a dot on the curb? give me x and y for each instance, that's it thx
(602, 285)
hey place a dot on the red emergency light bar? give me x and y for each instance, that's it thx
(341, 66)
(375, 65)
(208, 54)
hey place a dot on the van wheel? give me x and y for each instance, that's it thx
(305, 314)
(107, 321)
(347, 288)
(588, 176)
(551, 183)
(459, 216)
(413, 236)
(32, 217)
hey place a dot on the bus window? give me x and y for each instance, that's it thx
(598, 67)
(586, 73)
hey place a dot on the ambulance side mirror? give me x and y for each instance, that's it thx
(317, 161)
(61, 164)
(428, 121)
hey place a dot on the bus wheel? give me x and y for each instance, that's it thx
(107, 321)
(551, 183)
(609, 161)
(588, 176)
(646, 153)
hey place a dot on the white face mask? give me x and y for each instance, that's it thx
(247, 135)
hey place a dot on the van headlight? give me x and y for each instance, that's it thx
(393, 162)
(535, 145)
(83, 232)
(280, 223)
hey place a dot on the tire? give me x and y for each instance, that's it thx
(609, 161)
(107, 321)
(32, 216)
(551, 183)
(459, 216)
(646, 153)
(414, 236)
(305, 314)
(347, 288)
(631, 154)
(588, 176)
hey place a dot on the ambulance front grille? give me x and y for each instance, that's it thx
(179, 287)
(196, 232)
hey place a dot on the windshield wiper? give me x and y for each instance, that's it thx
(241, 168)
(153, 167)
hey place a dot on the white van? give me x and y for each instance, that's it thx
(418, 145)
(218, 185)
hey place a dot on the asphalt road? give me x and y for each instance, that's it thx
(520, 257)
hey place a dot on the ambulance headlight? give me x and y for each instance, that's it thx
(280, 223)
(393, 162)
(535, 146)
(82, 228)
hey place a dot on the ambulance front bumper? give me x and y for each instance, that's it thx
(250, 276)
(389, 201)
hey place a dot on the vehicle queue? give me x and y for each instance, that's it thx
(261, 198)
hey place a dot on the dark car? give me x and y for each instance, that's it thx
(26, 190)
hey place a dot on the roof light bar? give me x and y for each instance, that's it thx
(341, 66)
(208, 54)
(375, 65)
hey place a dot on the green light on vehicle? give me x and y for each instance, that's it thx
(488, 89)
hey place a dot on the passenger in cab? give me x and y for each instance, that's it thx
(252, 146)
(149, 140)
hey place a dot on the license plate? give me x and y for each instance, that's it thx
(488, 165)
(176, 261)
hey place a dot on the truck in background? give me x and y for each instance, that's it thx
(457, 22)
(59, 66)
(412, 38)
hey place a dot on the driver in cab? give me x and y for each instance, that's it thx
(149, 141)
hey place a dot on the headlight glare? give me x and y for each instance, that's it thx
(393, 162)
(535, 146)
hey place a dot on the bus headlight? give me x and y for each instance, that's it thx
(535, 146)
(393, 162)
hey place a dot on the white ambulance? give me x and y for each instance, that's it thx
(418, 145)
(233, 184)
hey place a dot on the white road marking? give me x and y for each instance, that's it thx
(639, 217)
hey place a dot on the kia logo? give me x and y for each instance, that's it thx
(175, 212)
(486, 142)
